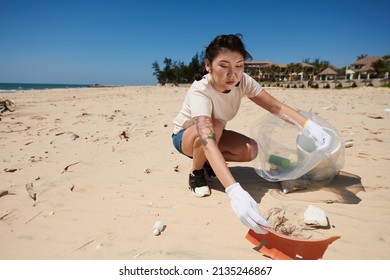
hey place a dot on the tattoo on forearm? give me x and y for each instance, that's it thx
(205, 130)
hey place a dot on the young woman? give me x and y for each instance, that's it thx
(199, 128)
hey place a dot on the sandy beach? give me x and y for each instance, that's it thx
(85, 173)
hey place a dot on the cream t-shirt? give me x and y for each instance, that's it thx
(203, 100)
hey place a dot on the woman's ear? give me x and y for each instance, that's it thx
(207, 66)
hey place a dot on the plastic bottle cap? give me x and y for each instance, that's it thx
(156, 231)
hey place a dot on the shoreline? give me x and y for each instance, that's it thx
(16, 87)
(315, 84)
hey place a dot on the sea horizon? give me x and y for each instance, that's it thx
(13, 87)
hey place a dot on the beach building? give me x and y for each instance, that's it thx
(362, 68)
(327, 74)
(254, 68)
(269, 71)
(274, 72)
(305, 71)
(294, 75)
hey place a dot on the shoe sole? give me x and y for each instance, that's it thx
(200, 195)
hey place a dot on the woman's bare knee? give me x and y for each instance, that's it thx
(238, 147)
(252, 149)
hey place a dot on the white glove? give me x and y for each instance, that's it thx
(245, 207)
(322, 139)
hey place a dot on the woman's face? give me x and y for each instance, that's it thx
(226, 70)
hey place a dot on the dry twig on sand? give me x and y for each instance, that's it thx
(67, 167)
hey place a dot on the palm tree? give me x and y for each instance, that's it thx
(319, 65)
(274, 69)
(299, 68)
(290, 70)
(267, 72)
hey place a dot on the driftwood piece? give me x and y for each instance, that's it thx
(3, 193)
(11, 170)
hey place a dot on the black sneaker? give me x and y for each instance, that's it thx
(198, 185)
(209, 170)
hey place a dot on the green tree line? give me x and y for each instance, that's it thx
(177, 72)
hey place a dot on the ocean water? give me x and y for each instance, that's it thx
(13, 87)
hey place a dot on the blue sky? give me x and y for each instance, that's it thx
(116, 42)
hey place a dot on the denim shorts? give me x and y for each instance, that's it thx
(177, 140)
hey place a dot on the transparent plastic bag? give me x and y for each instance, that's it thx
(287, 153)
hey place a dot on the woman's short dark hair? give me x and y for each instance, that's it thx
(231, 42)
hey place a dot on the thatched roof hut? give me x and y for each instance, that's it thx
(365, 61)
(328, 73)
(364, 65)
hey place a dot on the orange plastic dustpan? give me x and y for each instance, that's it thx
(281, 247)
